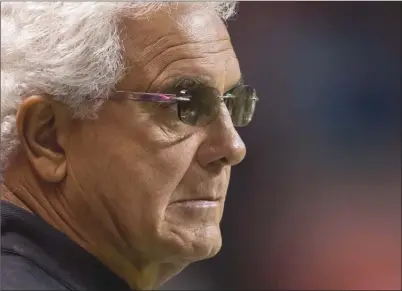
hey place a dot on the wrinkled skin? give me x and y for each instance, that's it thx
(113, 184)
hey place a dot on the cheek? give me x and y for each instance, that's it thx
(127, 176)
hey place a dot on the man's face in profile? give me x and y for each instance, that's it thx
(154, 186)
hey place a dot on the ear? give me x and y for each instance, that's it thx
(38, 133)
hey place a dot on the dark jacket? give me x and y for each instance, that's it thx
(36, 256)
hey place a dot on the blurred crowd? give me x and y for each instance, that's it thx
(317, 202)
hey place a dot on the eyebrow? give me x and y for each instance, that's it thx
(184, 82)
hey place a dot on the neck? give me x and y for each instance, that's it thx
(7, 195)
(23, 189)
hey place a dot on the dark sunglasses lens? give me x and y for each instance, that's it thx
(202, 108)
(242, 106)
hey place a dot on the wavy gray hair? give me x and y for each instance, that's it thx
(70, 51)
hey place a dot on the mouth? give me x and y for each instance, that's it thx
(203, 202)
(202, 199)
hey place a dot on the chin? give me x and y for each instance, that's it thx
(191, 245)
(192, 233)
(204, 243)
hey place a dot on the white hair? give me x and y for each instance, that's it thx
(69, 50)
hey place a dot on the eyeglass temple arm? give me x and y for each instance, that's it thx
(162, 98)
(154, 97)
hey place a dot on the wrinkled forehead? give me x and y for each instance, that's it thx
(173, 34)
(190, 22)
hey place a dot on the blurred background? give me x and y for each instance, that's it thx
(317, 202)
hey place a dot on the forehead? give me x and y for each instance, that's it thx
(174, 42)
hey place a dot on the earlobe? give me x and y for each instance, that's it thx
(50, 171)
(38, 133)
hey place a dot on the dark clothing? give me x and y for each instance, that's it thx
(36, 256)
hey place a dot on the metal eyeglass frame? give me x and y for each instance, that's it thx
(163, 98)
(173, 98)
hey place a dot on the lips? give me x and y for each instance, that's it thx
(201, 190)
(210, 199)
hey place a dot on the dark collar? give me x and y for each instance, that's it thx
(29, 236)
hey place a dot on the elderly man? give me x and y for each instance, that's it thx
(118, 135)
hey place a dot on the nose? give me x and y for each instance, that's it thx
(223, 144)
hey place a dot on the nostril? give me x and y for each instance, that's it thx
(225, 161)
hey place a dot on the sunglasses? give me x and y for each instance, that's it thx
(200, 106)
